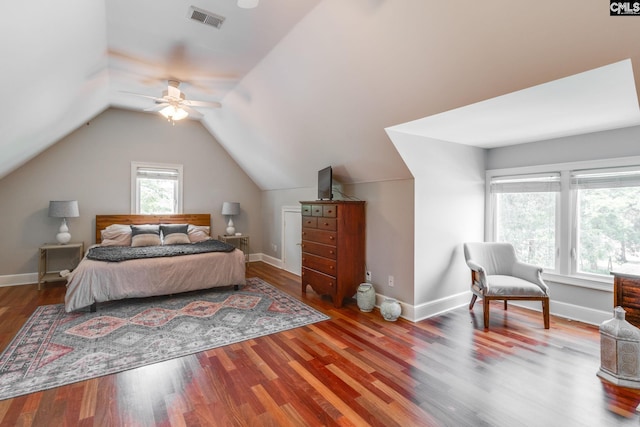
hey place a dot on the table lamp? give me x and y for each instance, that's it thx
(230, 209)
(63, 209)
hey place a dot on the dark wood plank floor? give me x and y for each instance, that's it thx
(355, 369)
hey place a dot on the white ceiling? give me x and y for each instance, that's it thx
(592, 101)
(303, 83)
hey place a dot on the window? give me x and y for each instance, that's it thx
(156, 188)
(525, 215)
(579, 219)
(608, 219)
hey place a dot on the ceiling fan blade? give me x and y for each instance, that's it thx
(155, 98)
(157, 107)
(204, 104)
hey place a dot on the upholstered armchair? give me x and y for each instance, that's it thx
(496, 274)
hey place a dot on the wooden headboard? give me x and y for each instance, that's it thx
(103, 221)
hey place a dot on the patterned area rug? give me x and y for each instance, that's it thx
(55, 348)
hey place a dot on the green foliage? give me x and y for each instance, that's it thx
(157, 196)
(608, 229)
(527, 220)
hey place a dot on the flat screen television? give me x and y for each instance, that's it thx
(325, 181)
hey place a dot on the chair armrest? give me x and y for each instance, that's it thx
(530, 273)
(482, 274)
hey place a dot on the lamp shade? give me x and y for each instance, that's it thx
(63, 209)
(230, 208)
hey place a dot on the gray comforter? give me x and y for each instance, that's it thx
(125, 253)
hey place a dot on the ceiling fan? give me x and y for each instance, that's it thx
(174, 105)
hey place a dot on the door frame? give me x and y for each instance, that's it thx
(283, 242)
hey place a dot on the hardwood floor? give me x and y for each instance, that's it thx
(355, 369)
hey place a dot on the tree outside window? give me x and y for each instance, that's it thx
(608, 232)
(156, 188)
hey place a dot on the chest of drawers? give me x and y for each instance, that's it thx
(333, 248)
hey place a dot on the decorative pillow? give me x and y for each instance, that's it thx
(174, 234)
(145, 235)
(198, 233)
(116, 235)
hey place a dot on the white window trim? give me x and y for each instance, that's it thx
(135, 201)
(565, 233)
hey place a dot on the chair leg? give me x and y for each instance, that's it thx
(485, 308)
(545, 312)
(505, 304)
(474, 297)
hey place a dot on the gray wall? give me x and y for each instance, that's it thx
(593, 146)
(92, 165)
(389, 237)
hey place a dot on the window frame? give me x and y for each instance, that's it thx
(135, 195)
(532, 182)
(566, 219)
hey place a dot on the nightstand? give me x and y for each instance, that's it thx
(240, 242)
(76, 250)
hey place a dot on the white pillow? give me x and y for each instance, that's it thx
(198, 233)
(116, 235)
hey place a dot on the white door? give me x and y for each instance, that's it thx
(291, 236)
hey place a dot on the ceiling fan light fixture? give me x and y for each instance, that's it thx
(248, 4)
(173, 114)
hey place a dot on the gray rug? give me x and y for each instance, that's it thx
(55, 348)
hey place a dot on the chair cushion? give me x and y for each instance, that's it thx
(499, 285)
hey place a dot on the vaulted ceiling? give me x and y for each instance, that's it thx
(303, 84)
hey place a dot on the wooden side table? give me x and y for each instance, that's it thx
(626, 292)
(44, 275)
(240, 242)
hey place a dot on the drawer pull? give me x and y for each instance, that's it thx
(331, 252)
(331, 238)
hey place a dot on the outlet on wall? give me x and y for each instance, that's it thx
(391, 283)
(274, 247)
(368, 276)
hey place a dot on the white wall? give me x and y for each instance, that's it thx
(449, 210)
(92, 165)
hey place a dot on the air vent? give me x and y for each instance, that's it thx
(205, 17)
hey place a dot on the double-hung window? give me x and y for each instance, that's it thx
(156, 188)
(607, 219)
(525, 211)
(579, 219)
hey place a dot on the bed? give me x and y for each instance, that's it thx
(95, 281)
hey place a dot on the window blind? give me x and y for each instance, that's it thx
(605, 178)
(549, 182)
(158, 173)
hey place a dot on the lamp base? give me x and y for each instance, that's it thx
(231, 230)
(63, 237)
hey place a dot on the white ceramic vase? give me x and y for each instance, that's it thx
(390, 309)
(366, 297)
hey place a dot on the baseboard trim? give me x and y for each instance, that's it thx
(569, 311)
(276, 262)
(430, 309)
(441, 306)
(18, 279)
